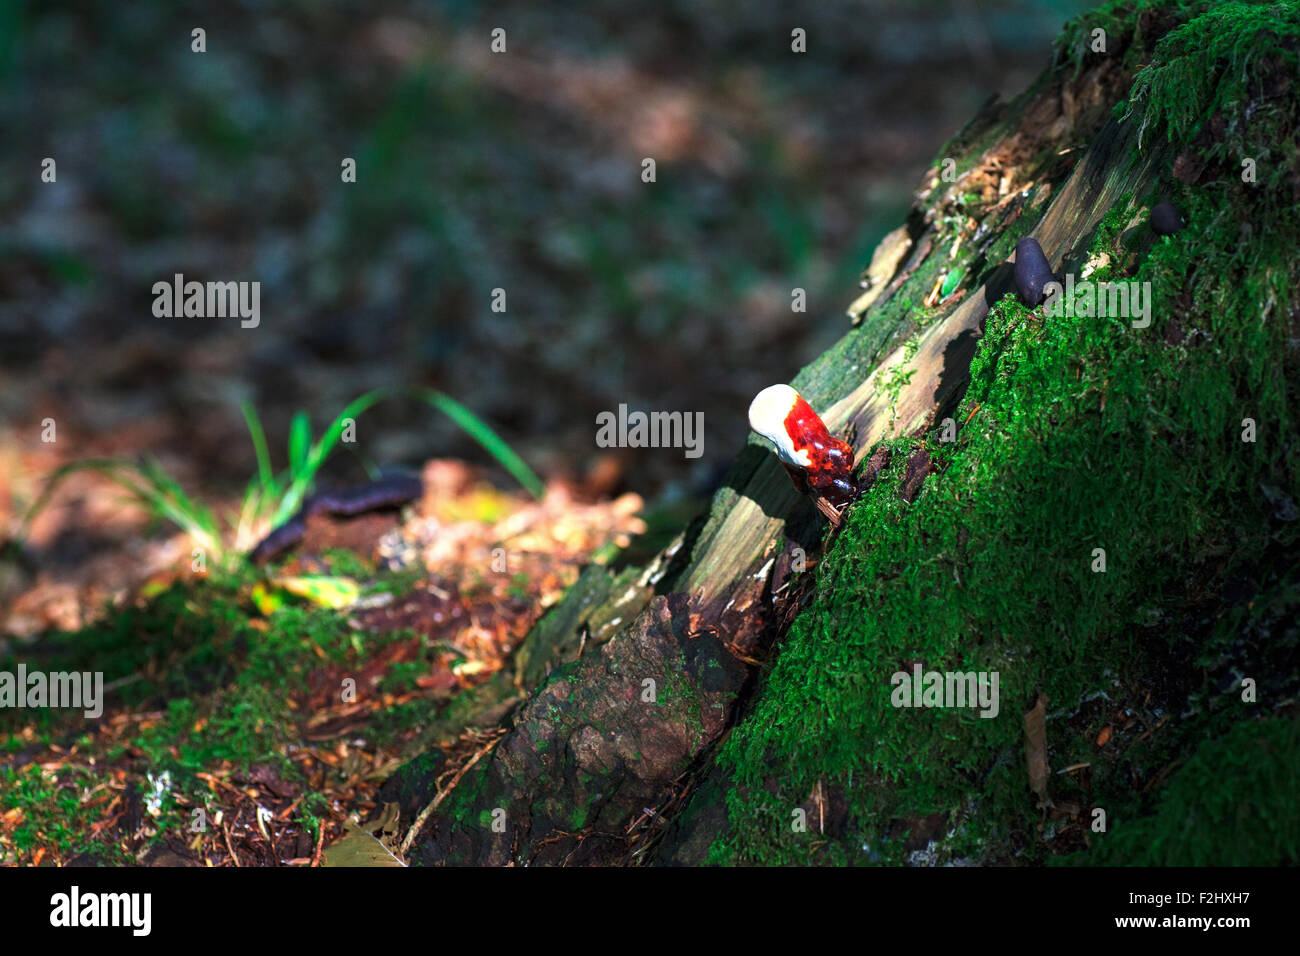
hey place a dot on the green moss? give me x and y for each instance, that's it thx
(1247, 819)
(1211, 66)
(51, 813)
(225, 680)
(1087, 433)
(348, 564)
(1131, 27)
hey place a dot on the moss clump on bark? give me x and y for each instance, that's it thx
(1080, 433)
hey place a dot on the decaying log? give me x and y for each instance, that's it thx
(589, 751)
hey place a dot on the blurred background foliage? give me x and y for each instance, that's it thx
(476, 171)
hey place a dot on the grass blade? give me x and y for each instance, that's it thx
(302, 470)
(153, 488)
(299, 443)
(265, 474)
(492, 443)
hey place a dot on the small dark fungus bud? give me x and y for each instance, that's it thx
(280, 540)
(392, 491)
(818, 462)
(1166, 219)
(1033, 272)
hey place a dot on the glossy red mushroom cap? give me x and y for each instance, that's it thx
(781, 415)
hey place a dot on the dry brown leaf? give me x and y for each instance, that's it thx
(1036, 749)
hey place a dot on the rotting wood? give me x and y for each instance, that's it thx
(719, 593)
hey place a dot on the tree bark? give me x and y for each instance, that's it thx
(635, 677)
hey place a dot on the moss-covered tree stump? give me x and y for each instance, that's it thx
(1099, 509)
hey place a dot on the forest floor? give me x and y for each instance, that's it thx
(437, 600)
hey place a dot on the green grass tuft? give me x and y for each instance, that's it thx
(278, 495)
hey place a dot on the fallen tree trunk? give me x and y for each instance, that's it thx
(636, 676)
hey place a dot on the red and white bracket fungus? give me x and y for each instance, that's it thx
(818, 463)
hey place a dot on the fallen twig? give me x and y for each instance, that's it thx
(412, 833)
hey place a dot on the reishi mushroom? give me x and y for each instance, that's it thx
(818, 463)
